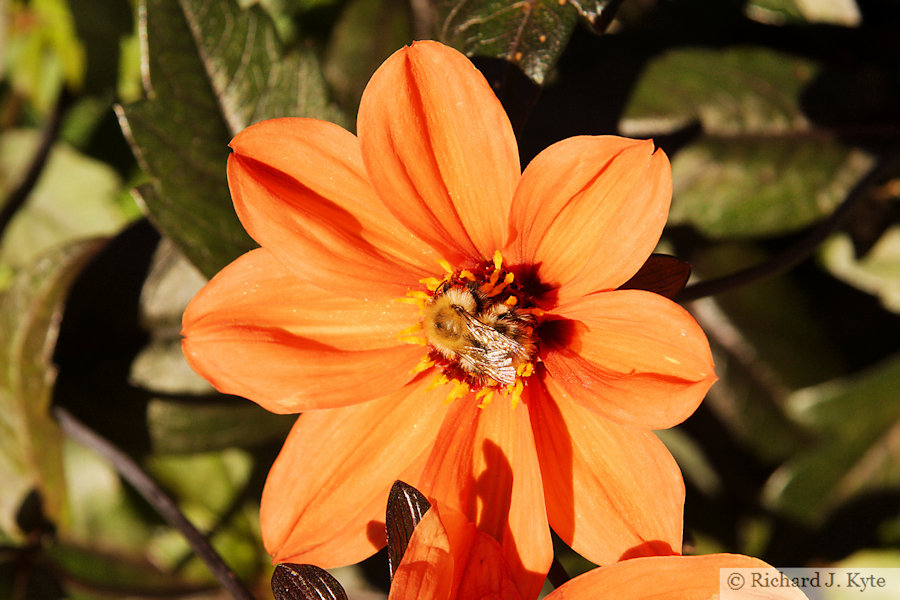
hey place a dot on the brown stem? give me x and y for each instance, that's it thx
(150, 490)
(19, 195)
(801, 250)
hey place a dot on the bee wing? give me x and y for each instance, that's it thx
(494, 352)
(496, 364)
(488, 337)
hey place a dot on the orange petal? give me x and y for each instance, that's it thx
(325, 497)
(612, 492)
(300, 190)
(448, 557)
(589, 211)
(440, 150)
(668, 578)
(256, 330)
(484, 464)
(428, 566)
(632, 356)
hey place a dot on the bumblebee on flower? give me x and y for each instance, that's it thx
(480, 330)
(412, 276)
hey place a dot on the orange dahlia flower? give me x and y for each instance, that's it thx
(448, 558)
(440, 317)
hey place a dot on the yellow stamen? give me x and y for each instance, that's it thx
(511, 301)
(432, 283)
(464, 274)
(515, 393)
(498, 260)
(423, 365)
(525, 370)
(485, 395)
(412, 339)
(411, 329)
(459, 390)
(439, 380)
(499, 288)
(446, 266)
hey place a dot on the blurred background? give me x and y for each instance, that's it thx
(782, 120)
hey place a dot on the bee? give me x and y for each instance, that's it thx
(486, 340)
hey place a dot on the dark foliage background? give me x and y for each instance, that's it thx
(782, 120)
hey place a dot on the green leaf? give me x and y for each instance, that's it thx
(210, 491)
(117, 576)
(213, 69)
(835, 12)
(43, 52)
(76, 197)
(101, 27)
(530, 34)
(30, 455)
(184, 413)
(367, 32)
(253, 77)
(759, 167)
(102, 511)
(762, 335)
(877, 273)
(857, 427)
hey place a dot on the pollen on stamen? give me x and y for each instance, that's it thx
(484, 397)
(515, 394)
(423, 365)
(431, 283)
(459, 389)
(408, 335)
(508, 279)
(439, 380)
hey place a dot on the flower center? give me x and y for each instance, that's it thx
(479, 327)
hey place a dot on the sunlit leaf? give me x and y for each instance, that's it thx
(758, 167)
(103, 543)
(75, 197)
(102, 512)
(530, 34)
(43, 52)
(877, 273)
(856, 423)
(209, 489)
(30, 454)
